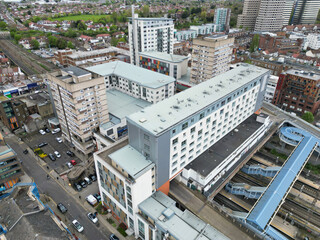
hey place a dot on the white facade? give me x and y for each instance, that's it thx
(313, 41)
(150, 34)
(271, 88)
(204, 183)
(306, 12)
(287, 12)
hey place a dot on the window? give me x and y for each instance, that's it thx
(183, 143)
(200, 132)
(201, 115)
(146, 137)
(146, 147)
(173, 131)
(208, 120)
(141, 229)
(175, 141)
(193, 130)
(184, 126)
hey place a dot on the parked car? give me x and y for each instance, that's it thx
(52, 157)
(88, 181)
(83, 184)
(77, 187)
(71, 154)
(42, 132)
(42, 144)
(69, 165)
(26, 151)
(73, 162)
(56, 130)
(47, 130)
(93, 177)
(113, 237)
(77, 226)
(57, 154)
(92, 217)
(91, 200)
(62, 208)
(97, 196)
(59, 140)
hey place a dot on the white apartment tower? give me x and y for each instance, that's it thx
(264, 15)
(270, 17)
(305, 12)
(81, 105)
(150, 34)
(287, 11)
(211, 56)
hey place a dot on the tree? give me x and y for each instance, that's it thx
(185, 14)
(70, 45)
(82, 26)
(145, 11)
(35, 44)
(3, 25)
(255, 43)
(114, 42)
(308, 117)
(61, 43)
(17, 37)
(52, 41)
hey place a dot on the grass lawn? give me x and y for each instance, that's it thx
(94, 18)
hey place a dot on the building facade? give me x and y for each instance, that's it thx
(167, 136)
(270, 16)
(81, 104)
(176, 131)
(205, 29)
(169, 64)
(222, 19)
(313, 41)
(10, 166)
(247, 19)
(297, 91)
(149, 34)
(288, 8)
(305, 12)
(271, 88)
(211, 56)
(13, 113)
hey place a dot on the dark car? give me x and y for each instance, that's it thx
(62, 208)
(25, 151)
(77, 186)
(42, 144)
(52, 157)
(97, 196)
(83, 184)
(71, 154)
(47, 130)
(113, 237)
(93, 177)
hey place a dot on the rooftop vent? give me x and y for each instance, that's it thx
(162, 120)
(142, 120)
(70, 72)
(206, 92)
(175, 107)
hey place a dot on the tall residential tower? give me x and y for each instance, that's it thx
(305, 12)
(222, 19)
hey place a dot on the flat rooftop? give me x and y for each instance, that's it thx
(304, 74)
(163, 115)
(218, 152)
(162, 56)
(76, 71)
(180, 224)
(132, 161)
(121, 105)
(6, 152)
(83, 54)
(152, 19)
(131, 72)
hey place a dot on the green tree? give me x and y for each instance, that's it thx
(185, 14)
(308, 117)
(35, 44)
(70, 45)
(61, 43)
(17, 37)
(145, 11)
(81, 26)
(52, 41)
(3, 25)
(114, 42)
(255, 43)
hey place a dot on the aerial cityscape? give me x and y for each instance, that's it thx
(160, 120)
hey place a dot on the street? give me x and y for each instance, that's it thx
(58, 194)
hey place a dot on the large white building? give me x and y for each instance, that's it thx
(313, 41)
(129, 88)
(169, 135)
(271, 88)
(150, 34)
(305, 12)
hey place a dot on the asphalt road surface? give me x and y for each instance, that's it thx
(58, 194)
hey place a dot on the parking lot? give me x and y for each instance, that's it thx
(60, 163)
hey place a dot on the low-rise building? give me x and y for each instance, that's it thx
(271, 88)
(38, 103)
(10, 166)
(13, 112)
(172, 65)
(313, 41)
(297, 91)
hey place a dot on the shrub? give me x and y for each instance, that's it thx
(114, 225)
(122, 231)
(123, 226)
(110, 220)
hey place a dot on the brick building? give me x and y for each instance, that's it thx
(298, 91)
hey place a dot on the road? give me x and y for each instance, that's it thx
(58, 194)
